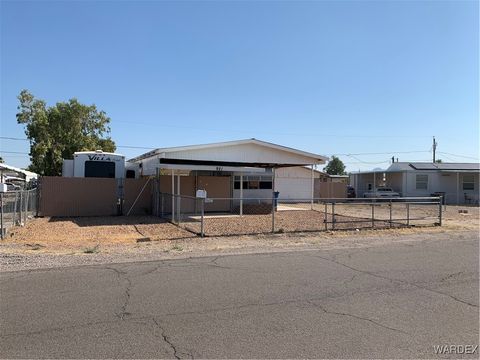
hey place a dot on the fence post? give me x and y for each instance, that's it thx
(390, 213)
(38, 197)
(1, 214)
(333, 215)
(440, 211)
(162, 200)
(326, 217)
(408, 214)
(202, 228)
(273, 213)
(15, 209)
(373, 214)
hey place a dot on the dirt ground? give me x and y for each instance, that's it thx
(48, 242)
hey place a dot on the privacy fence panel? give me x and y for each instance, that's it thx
(68, 196)
(329, 190)
(138, 196)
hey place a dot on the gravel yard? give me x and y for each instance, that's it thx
(285, 221)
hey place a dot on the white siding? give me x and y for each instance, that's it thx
(241, 153)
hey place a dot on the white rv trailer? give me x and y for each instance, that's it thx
(96, 164)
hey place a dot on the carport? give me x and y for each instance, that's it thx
(239, 163)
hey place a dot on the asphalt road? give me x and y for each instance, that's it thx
(384, 302)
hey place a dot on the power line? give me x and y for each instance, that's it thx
(385, 153)
(462, 156)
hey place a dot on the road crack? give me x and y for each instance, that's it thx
(355, 317)
(398, 281)
(176, 353)
(122, 275)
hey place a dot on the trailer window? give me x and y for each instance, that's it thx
(101, 169)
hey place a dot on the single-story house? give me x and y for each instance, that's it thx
(235, 169)
(10, 173)
(457, 182)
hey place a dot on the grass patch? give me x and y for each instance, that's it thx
(177, 247)
(92, 250)
(35, 246)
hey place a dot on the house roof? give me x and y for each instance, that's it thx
(28, 174)
(445, 166)
(425, 166)
(176, 149)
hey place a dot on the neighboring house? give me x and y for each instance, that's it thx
(11, 174)
(457, 182)
(244, 168)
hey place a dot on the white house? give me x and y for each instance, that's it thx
(8, 173)
(245, 168)
(457, 182)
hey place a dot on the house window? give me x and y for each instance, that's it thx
(253, 182)
(468, 182)
(421, 182)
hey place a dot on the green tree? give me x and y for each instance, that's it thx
(335, 167)
(56, 132)
(1, 160)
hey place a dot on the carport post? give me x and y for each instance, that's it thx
(312, 193)
(1, 214)
(202, 229)
(241, 194)
(458, 188)
(273, 213)
(178, 198)
(173, 195)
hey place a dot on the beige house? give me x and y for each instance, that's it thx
(457, 182)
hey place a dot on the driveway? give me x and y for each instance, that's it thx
(389, 301)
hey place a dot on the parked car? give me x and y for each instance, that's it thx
(381, 192)
(351, 192)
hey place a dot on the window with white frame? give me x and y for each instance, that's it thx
(468, 182)
(421, 182)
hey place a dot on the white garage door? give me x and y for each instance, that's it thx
(294, 188)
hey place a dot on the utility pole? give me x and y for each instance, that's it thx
(434, 147)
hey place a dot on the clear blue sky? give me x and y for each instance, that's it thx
(340, 77)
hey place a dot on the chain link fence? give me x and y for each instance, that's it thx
(16, 208)
(270, 215)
